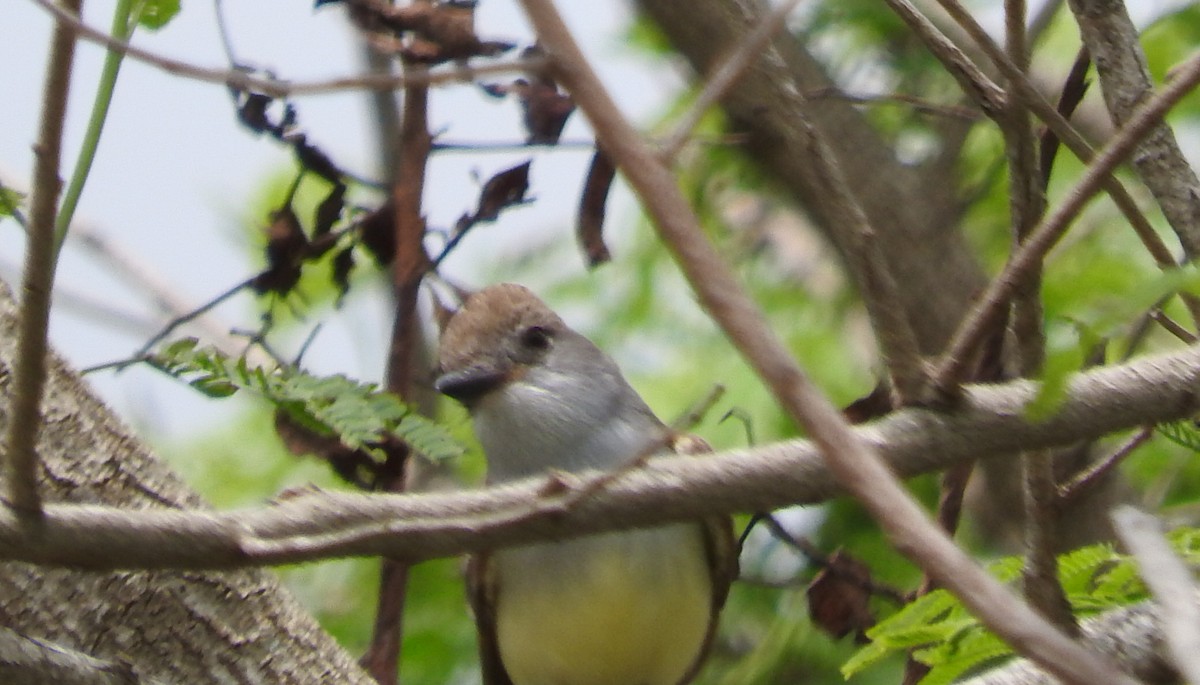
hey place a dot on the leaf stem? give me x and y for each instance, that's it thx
(123, 25)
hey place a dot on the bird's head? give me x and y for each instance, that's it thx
(499, 336)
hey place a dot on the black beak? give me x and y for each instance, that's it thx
(469, 384)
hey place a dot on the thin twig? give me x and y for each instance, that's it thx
(821, 560)
(694, 414)
(949, 511)
(726, 75)
(1027, 202)
(982, 90)
(145, 280)
(1171, 326)
(223, 32)
(1085, 480)
(1170, 582)
(917, 104)
(409, 265)
(855, 465)
(995, 298)
(38, 278)
(186, 317)
(273, 87)
(504, 146)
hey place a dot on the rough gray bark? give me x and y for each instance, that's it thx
(177, 626)
(1112, 39)
(27, 661)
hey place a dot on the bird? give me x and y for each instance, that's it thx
(636, 607)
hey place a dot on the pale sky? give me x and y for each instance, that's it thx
(175, 174)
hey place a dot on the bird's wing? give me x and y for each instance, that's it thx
(721, 545)
(481, 593)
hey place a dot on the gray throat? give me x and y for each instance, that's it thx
(524, 438)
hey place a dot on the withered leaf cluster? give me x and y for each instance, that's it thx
(838, 597)
(422, 33)
(369, 469)
(254, 111)
(503, 190)
(546, 108)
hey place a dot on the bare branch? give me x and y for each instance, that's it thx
(241, 80)
(1170, 582)
(1087, 479)
(991, 305)
(726, 75)
(30, 368)
(1029, 94)
(405, 362)
(990, 422)
(1027, 204)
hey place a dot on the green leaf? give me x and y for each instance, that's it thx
(940, 633)
(972, 651)
(155, 14)
(1184, 433)
(1066, 349)
(868, 656)
(361, 415)
(10, 200)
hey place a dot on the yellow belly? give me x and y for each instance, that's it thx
(627, 608)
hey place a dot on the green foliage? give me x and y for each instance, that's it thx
(10, 200)
(1183, 433)
(1066, 351)
(316, 289)
(155, 14)
(359, 414)
(942, 634)
(1072, 339)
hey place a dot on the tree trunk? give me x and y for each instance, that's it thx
(173, 627)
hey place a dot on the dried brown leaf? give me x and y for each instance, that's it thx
(592, 204)
(286, 246)
(503, 190)
(838, 597)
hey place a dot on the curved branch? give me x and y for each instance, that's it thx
(989, 423)
(29, 373)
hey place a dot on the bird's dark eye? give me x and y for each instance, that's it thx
(535, 338)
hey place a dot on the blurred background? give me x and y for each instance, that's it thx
(180, 193)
